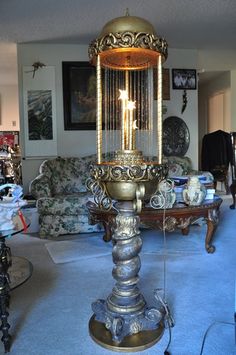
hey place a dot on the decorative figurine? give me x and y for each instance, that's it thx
(195, 192)
(9, 205)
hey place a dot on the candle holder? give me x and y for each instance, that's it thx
(126, 54)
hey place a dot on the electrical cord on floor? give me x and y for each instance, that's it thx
(166, 352)
(168, 319)
(213, 324)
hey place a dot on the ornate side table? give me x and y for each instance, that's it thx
(179, 216)
(9, 269)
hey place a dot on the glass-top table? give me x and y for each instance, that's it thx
(14, 271)
(179, 216)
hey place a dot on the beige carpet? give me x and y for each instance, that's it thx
(80, 249)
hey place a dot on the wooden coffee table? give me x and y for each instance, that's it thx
(180, 216)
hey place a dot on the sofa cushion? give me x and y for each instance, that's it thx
(53, 225)
(70, 204)
(67, 175)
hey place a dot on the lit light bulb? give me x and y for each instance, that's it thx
(131, 105)
(123, 94)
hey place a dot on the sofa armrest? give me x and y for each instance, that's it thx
(40, 187)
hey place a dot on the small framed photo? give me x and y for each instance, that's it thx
(79, 95)
(184, 79)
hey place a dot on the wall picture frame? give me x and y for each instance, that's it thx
(184, 79)
(39, 106)
(9, 138)
(79, 95)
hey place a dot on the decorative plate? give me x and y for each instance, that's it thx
(176, 137)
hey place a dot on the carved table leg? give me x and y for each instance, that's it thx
(108, 233)
(5, 262)
(212, 221)
(185, 230)
(210, 230)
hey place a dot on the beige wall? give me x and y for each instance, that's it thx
(222, 60)
(216, 112)
(221, 85)
(9, 105)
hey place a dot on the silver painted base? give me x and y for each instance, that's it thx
(125, 311)
(121, 326)
(136, 342)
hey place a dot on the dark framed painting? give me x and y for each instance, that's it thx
(184, 79)
(79, 95)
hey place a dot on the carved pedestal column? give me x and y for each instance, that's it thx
(126, 320)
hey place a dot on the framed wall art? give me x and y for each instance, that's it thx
(79, 95)
(184, 79)
(39, 111)
(9, 138)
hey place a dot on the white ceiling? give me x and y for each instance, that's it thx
(184, 23)
(201, 24)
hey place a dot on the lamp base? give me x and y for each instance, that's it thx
(136, 342)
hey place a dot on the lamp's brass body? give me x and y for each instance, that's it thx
(124, 322)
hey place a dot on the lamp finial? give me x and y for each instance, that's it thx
(127, 12)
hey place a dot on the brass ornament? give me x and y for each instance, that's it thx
(139, 50)
(122, 182)
(128, 42)
(136, 173)
(98, 189)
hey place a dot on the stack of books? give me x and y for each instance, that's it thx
(210, 194)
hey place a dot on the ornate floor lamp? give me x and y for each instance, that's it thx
(128, 56)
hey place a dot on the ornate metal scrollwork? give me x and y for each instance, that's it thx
(165, 196)
(98, 190)
(141, 172)
(128, 39)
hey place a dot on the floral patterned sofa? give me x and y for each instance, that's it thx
(61, 194)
